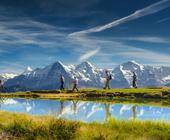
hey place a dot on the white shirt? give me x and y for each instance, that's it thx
(75, 81)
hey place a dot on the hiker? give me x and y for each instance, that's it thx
(134, 81)
(61, 82)
(1, 85)
(75, 83)
(108, 78)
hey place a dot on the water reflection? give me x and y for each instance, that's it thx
(74, 106)
(108, 114)
(1, 101)
(84, 110)
(134, 111)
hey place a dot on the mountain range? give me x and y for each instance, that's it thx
(5, 76)
(89, 75)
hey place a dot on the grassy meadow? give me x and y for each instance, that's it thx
(140, 93)
(21, 126)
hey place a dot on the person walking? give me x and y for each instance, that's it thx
(75, 83)
(134, 81)
(1, 85)
(62, 82)
(108, 78)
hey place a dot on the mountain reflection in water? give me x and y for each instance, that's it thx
(86, 111)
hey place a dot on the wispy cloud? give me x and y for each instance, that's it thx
(154, 8)
(14, 67)
(89, 54)
(147, 39)
(115, 48)
(53, 41)
(23, 30)
(163, 20)
(142, 54)
(28, 32)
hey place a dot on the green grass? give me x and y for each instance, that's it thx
(150, 90)
(140, 93)
(21, 126)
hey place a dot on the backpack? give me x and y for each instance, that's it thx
(110, 77)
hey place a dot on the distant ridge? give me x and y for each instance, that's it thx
(90, 76)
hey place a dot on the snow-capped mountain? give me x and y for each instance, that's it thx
(27, 71)
(45, 78)
(5, 76)
(147, 75)
(48, 77)
(90, 76)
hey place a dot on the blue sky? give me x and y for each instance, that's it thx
(39, 32)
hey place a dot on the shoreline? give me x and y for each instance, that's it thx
(134, 96)
(155, 102)
(140, 93)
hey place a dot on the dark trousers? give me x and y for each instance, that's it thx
(134, 84)
(1, 88)
(75, 87)
(62, 86)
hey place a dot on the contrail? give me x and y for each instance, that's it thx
(154, 8)
(89, 54)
